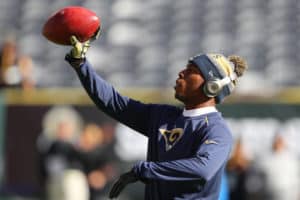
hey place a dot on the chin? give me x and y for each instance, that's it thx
(179, 97)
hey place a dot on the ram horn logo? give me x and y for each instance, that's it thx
(171, 136)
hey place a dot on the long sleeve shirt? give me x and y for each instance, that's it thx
(186, 153)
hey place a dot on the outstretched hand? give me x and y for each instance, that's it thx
(80, 49)
(124, 180)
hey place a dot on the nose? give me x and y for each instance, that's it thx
(181, 74)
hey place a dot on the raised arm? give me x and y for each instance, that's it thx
(125, 110)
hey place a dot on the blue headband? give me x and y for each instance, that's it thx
(210, 71)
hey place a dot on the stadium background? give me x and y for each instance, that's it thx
(142, 48)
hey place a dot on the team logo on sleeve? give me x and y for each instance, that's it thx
(171, 136)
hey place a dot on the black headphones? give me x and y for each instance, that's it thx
(215, 85)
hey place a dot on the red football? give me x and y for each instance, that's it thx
(68, 21)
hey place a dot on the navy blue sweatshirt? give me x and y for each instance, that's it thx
(186, 154)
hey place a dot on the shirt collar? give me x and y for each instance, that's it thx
(199, 111)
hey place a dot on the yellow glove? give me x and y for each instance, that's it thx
(80, 49)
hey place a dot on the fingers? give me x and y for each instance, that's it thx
(117, 188)
(96, 34)
(73, 40)
(124, 179)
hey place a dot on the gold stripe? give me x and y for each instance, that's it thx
(206, 120)
(77, 96)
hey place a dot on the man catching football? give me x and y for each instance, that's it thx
(187, 147)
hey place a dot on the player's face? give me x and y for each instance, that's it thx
(188, 84)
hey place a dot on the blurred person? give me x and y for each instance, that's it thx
(281, 170)
(16, 71)
(109, 129)
(291, 134)
(57, 155)
(187, 148)
(238, 168)
(91, 137)
(95, 161)
(8, 53)
(26, 70)
(9, 71)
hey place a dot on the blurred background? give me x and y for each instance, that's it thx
(55, 144)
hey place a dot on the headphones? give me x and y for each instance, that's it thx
(215, 85)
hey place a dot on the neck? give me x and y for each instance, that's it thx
(204, 103)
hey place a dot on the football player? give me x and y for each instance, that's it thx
(187, 147)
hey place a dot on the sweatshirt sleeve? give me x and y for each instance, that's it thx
(123, 109)
(211, 155)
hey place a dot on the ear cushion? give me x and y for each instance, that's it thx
(212, 88)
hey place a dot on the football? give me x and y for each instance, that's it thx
(68, 21)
